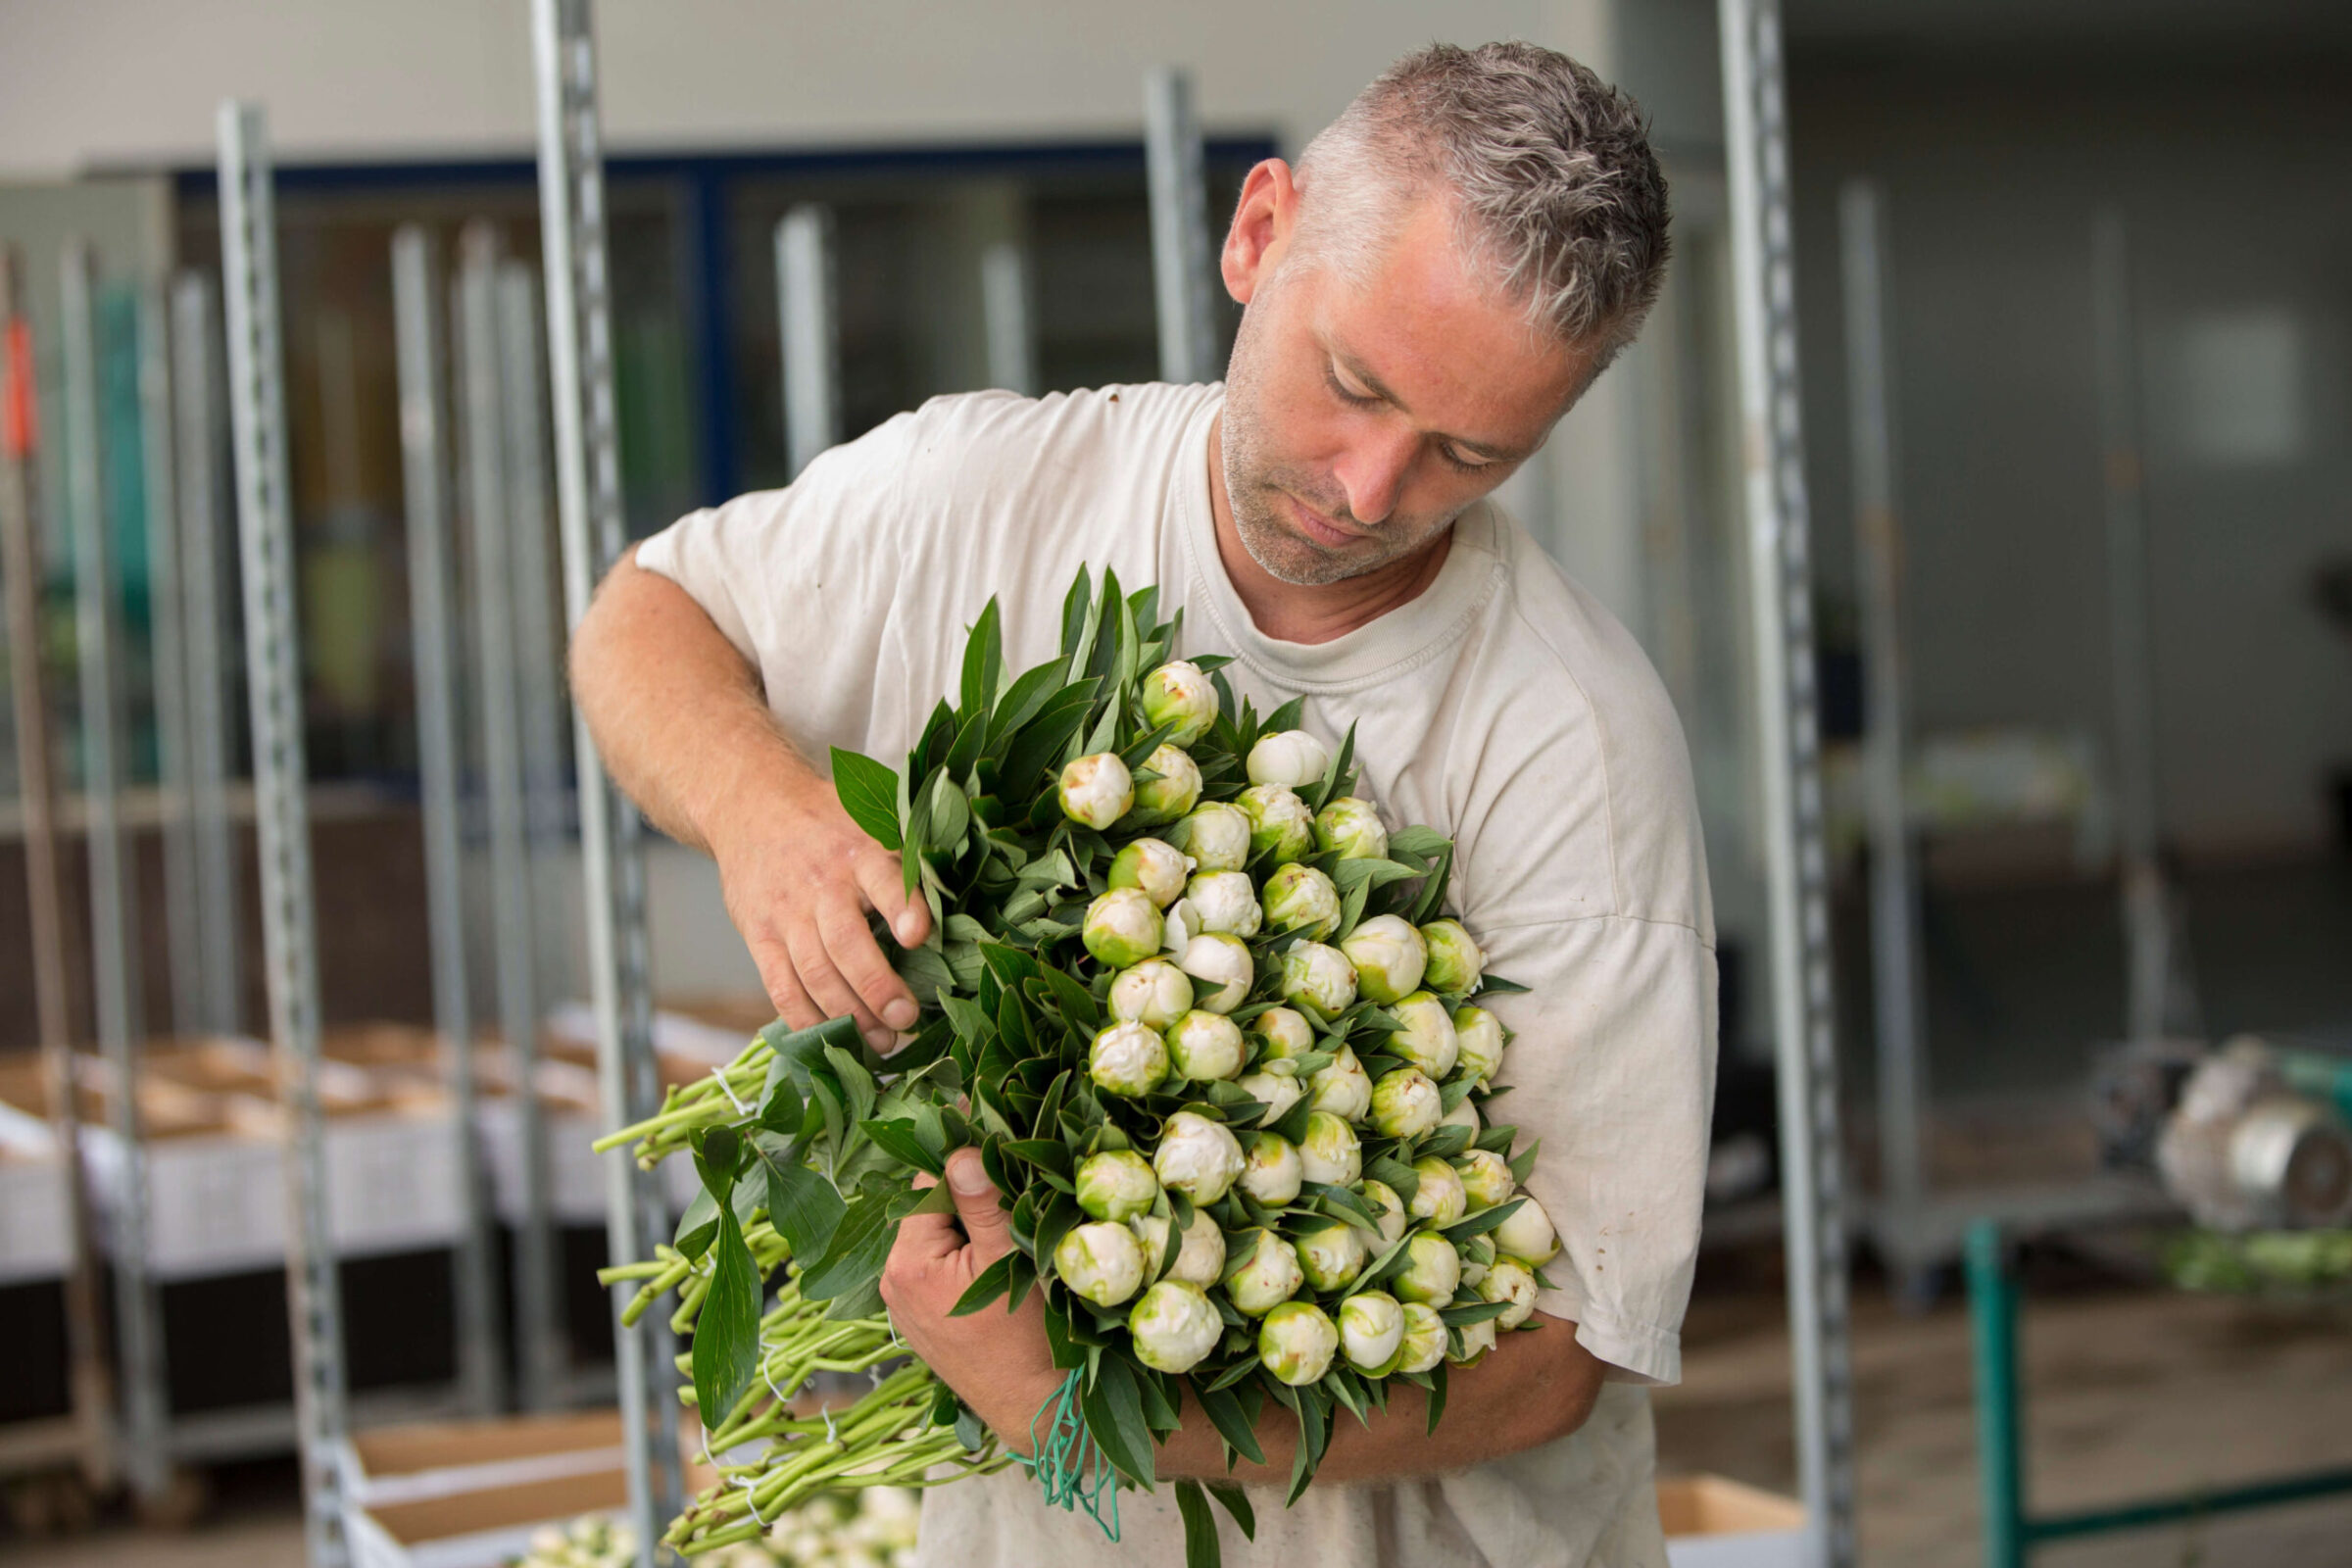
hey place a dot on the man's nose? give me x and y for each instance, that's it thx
(1373, 470)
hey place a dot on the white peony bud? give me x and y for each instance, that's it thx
(1116, 1184)
(1279, 821)
(1478, 1038)
(1122, 927)
(1424, 1344)
(1206, 1046)
(1388, 1209)
(1200, 1256)
(1127, 1059)
(1371, 1331)
(1101, 1261)
(1317, 977)
(1155, 994)
(1301, 899)
(1509, 1280)
(1266, 1278)
(1485, 1178)
(1352, 828)
(1174, 1327)
(1216, 836)
(1330, 1151)
(1440, 1198)
(1225, 901)
(1528, 1235)
(1197, 1157)
(1405, 1104)
(1296, 1342)
(1223, 969)
(1463, 1115)
(1177, 789)
(1282, 1033)
(1274, 1171)
(1455, 962)
(1290, 758)
(1097, 790)
(1477, 1339)
(1343, 1088)
(1432, 1273)
(1389, 955)
(1158, 867)
(1178, 925)
(1181, 694)
(1332, 1256)
(1427, 1038)
(1277, 1091)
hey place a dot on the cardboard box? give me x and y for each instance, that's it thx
(1714, 1523)
(481, 1529)
(441, 1459)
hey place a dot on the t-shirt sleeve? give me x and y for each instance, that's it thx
(1611, 1065)
(801, 581)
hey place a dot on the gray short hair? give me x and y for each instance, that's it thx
(1557, 198)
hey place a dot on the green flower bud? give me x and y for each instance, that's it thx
(1388, 1209)
(1279, 821)
(1178, 693)
(1273, 1172)
(1432, 1273)
(1296, 1342)
(1155, 994)
(1440, 1198)
(1116, 1184)
(1455, 964)
(1215, 835)
(1405, 1104)
(1424, 1344)
(1266, 1278)
(1509, 1280)
(1351, 828)
(1172, 794)
(1317, 977)
(1289, 758)
(1332, 1256)
(1226, 901)
(1223, 968)
(1206, 1046)
(1427, 1038)
(1122, 927)
(1478, 1036)
(1101, 1261)
(1278, 1092)
(1477, 1339)
(1200, 1256)
(1330, 1151)
(1127, 1059)
(1301, 899)
(1463, 1115)
(1097, 790)
(1528, 1235)
(1197, 1156)
(1344, 1088)
(1485, 1178)
(1282, 1033)
(1174, 1327)
(1154, 865)
(1371, 1331)
(1388, 954)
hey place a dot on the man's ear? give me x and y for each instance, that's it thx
(1262, 226)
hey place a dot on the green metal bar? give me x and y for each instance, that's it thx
(2328, 1078)
(2000, 1445)
(2192, 1505)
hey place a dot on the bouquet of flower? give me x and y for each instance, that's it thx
(1218, 1043)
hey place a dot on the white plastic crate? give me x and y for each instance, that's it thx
(36, 1233)
(1714, 1523)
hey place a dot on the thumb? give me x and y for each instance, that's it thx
(976, 1205)
(883, 881)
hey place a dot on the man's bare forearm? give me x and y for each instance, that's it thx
(678, 715)
(1533, 1388)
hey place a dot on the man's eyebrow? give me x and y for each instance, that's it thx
(1380, 389)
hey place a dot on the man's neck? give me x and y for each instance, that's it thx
(1293, 613)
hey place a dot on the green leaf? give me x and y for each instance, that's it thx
(853, 1260)
(1495, 985)
(717, 1156)
(899, 1138)
(949, 815)
(1232, 1423)
(1200, 1548)
(802, 1206)
(1312, 1435)
(1478, 1224)
(983, 662)
(1024, 696)
(1328, 788)
(1461, 1317)
(1236, 1502)
(1432, 896)
(1436, 1395)
(726, 1332)
(870, 793)
(698, 1227)
(1347, 875)
(1114, 1415)
(781, 1111)
(994, 1281)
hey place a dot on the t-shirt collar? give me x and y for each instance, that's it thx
(1382, 648)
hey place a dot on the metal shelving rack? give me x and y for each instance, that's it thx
(258, 417)
(1812, 1175)
(572, 216)
(1176, 168)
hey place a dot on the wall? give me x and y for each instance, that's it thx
(2232, 180)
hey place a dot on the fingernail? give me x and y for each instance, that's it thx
(899, 1014)
(909, 927)
(968, 1175)
(883, 1040)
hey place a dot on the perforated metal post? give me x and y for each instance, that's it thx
(44, 886)
(204, 621)
(499, 707)
(113, 896)
(811, 333)
(1176, 170)
(169, 656)
(1894, 873)
(424, 486)
(571, 206)
(1812, 1176)
(289, 932)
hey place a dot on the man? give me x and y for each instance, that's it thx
(1447, 270)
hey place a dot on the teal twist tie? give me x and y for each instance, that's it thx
(1067, 1463)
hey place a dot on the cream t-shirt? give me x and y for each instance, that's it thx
(1504, 706)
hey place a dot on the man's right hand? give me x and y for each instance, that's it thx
(799, 879)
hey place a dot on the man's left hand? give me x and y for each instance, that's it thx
(998, 1363)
